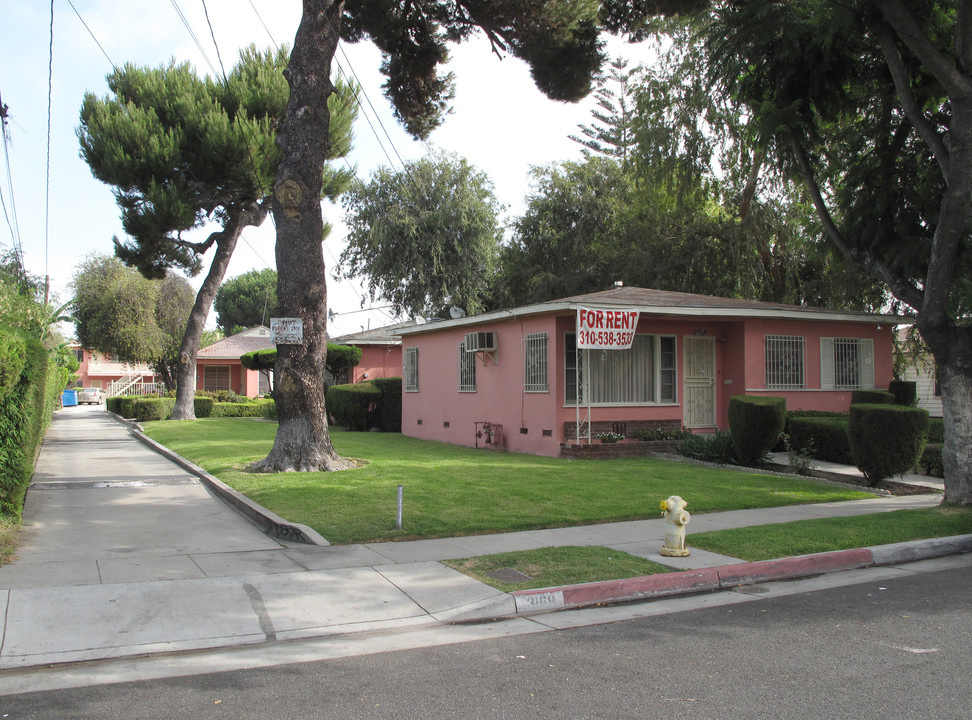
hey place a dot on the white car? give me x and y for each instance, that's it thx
(90, 396)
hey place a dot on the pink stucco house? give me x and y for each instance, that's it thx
(381, 352)
(515, 379)
(218, 366)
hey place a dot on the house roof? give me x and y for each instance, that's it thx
(232, 347)
(666, 303)
(387, 335)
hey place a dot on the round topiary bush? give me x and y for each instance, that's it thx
(755, 424)
(886, 440)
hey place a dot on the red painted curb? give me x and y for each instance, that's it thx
(640, 588)
(794, 567)
(693, 581)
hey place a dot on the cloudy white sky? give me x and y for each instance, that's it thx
(501, 123)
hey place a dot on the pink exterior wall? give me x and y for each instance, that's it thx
(438, 411)
(535, 422)
(242, 381)
(95, 370)
(813, 397)
(377, 361)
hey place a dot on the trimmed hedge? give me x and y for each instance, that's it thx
(13, 359)
(126, 406)
(353, 406)
(389, 412)
(936, 430)
(26, 408)
(149, 409)
(905, 392)
(886, 440)
(825, 436)
(255, 408)
(755, 424)
(872, 397)
(203, 406)
(931, 460)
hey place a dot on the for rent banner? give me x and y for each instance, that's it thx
(599, 329)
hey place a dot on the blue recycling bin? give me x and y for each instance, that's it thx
(69, 398)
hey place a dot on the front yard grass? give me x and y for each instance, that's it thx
(803, 537)
(451, 490)
(551, 567)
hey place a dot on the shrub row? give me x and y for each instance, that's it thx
(884, 434)
(823, 438)
(29, 390)
(361, 406)
(147, 409)
(886, 440)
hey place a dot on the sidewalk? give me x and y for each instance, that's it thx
(127, 553)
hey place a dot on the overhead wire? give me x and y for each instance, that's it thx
(103, 52)
(11, 214)
(47, 188)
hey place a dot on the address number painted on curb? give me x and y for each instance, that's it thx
(540, 602)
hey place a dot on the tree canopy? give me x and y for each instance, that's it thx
(116, 310)
(247, 300)
(560, 40)
(869, 104)
(425, 237)
(182, 152)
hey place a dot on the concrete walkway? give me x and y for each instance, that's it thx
(125, 553)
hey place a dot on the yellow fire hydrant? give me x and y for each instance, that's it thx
(676, 518)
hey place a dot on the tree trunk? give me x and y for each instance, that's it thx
(952, 348)
(302, 442)
(185, 371)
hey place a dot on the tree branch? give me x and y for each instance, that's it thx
(900, 18)
(903, 86)
(902, 289)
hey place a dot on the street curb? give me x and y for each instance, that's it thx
(609, 592)
(266, 520)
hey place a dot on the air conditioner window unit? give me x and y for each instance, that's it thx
(480, 341)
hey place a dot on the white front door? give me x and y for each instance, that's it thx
(699, 408)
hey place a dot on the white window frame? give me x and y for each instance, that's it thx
(615, 379)
(466, 369)
(782, 370)
(535, 364)
(838, 354)
(411, 369)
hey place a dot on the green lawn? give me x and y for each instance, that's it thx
(451, 490)
(553, 566)
(803, 537)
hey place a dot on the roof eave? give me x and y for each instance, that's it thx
(723, 313)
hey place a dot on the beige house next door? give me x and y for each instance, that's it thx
(699, 407)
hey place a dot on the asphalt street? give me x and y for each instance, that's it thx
(883, 648)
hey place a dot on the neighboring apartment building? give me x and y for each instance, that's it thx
(101, 370)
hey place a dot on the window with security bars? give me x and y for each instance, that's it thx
(785, 362)
(535, 363)
(411, 369)
(216, 377)
(467, 369)
(642, 375)
(846, 363)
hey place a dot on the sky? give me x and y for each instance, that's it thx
(60, 213)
